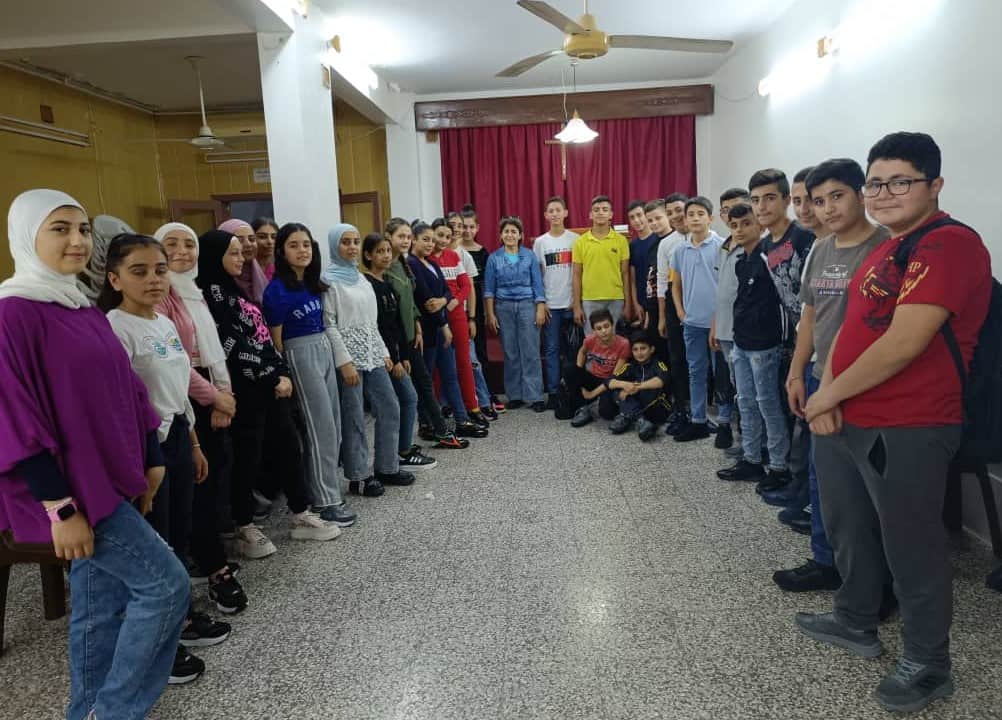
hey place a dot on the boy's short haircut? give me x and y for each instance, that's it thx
(634, 204)
(801, 175)
(733, 194)
(845, 170)
(655, 205)
(676, 197)
(703, 202)
(556, 199)
(600, 199)
(918, 149)
(641, 336)
(770, 176)
(600, 315)
(469, 213)
(739, 211)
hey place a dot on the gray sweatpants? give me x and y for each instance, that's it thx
(314, 377)
(882, 495)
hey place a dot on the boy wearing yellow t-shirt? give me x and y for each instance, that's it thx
(601, 260)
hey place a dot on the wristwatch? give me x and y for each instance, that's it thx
(62, 511)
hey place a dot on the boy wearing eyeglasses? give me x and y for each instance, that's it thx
(834, 190)
(887, 422)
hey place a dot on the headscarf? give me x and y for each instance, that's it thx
(209, 348)
(103, 229)
(212, 246)
(251, 279)
(33, 279)
(340, 270)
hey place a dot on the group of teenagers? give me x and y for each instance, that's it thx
(161, 392)
(165, 390)
(844, 343)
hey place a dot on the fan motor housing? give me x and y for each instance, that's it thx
(587, 45)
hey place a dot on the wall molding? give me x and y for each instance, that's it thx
(599, 105)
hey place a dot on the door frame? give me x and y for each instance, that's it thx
(177, 208)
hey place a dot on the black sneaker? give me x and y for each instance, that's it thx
(478, 419)
(620, 424)
(725, 438)
(399, 478)
(773, 481)
(427, 433)
(450, 442)
(676, 422)
(340, 515)
(582, 417)
(539, 406)
(198, 577)
(370, 487)
(646, 430)
(186, 667)
(797, 520)
(489, 412)
(693, 431)
(226, 592)
(910, 686)
(743, 471)
(414, 459)
(468, 429)
(809, 577)
(446, 411)
(515, 404)
(824, 627)
(203, 631)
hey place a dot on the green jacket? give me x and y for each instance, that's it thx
(397, 276)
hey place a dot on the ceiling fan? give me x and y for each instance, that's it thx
(584, 40)
(206, 139)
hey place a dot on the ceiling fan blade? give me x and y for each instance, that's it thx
(545, 11)
(655, 42)
(527, 64)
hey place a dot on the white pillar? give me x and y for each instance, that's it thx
(299, 121)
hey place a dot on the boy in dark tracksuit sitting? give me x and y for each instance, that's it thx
(639, 386)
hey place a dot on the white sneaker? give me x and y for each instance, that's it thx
(253, 543)
(310, 526)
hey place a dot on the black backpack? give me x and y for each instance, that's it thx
(982, 383)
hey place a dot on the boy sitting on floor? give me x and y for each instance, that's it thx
(640, 387)
(600, 357)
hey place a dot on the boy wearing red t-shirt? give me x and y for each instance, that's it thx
(602, 354)
(887, 422)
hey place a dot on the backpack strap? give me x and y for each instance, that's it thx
(958, 357)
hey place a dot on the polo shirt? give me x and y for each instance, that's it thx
(696, 268)
(600, 261)
(727, 289)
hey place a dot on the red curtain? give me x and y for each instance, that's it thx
(510, 170)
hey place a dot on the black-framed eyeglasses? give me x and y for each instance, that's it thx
(896, 186)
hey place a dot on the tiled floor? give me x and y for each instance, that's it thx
(548, 573)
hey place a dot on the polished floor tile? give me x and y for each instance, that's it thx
(546, 572)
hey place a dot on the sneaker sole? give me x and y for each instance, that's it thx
(343, 523)
(258, 554)
(205, 642)
(866, 651)
(184, 679)
(320, 535)
(943, 691)
(228, 610)
(418, 468)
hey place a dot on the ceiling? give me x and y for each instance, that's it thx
(446, 46)
(424, 46)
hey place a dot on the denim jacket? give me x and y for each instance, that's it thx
(522, 280)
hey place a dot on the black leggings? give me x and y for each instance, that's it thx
(429, 411)
(206, 546)
(171, 513)
(677, 364)
(264, 426)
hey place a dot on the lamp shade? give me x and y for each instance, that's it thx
(576, 131)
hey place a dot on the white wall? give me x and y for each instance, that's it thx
(932, 66)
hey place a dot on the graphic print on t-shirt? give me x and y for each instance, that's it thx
(884, 283)
(832, 281)
(558, 257)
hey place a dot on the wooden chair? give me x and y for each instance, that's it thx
(51, 568)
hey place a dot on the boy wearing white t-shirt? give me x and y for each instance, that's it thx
(554, 252)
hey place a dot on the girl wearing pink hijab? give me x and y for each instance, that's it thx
(251, 279)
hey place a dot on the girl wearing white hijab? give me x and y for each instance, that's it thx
(78, 442)
(212, 399)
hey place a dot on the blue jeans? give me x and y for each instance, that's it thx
(441, 358)
(483, 392)
(374, 386)
(523, 372)
(553, 340)
(756, 373)
(129, 602)
(698, 356)
(407, 399)
(820, 546)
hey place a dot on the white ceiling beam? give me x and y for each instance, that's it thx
(263, 16)
(141, 33)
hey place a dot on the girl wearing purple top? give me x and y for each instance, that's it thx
(78, 442)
